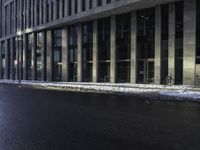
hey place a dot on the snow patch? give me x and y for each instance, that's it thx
(180, 92)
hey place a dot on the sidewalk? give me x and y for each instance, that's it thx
(177, 92)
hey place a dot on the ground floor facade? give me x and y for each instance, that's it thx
(156, 45)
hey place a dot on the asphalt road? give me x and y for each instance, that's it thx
(33, 119)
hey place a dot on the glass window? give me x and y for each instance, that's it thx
(57, 55)
(3, 60)
(29, 56)
(87, 51)
(39, 49)
(14, 61)
(145, 45)
(179, 43)
(164, 42)
(123, 47)
(73, 33)
(104, 50)
(198, 32)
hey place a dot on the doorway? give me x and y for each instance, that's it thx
(145, 71)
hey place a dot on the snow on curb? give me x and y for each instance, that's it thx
(180, 92)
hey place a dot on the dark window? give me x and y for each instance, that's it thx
(123, 47)
(3, 60)
(29, 56)
(73, 33)
(145, 45)
(39, 48)
(104, 49)
(164, 42)
(198, 32)
(179, 43)
(57, 55)
(87, 51)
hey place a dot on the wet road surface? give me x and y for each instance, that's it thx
(32, 119)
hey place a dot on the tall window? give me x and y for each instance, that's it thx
(14, 60)
(179, 43)
(164, 42)
(76, 6)
(145, 45)
(104, 50)
(8, 59)
(57, 55)
(83, 5)
(123, 45)
(3, 60)
(87, 51)
(29, 56)
(70, 7)
(99, 2)
(198, 32)
(73, 32)
(39, 56)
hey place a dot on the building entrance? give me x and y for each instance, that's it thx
(146, 71)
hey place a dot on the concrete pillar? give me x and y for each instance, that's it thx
(49, 56)
(94, 4)
(20, 15)
(14, 14)
(189, 42)
(95, 51)
(79, 5)
(50, 10)
(27, 14)
(33, 55)
(158, 33)
(79, 51)
(6, 60)
(61, 8)
(73, 7)
(25, 41)
(113, 50)
(87, 6)
(171, 44)
(40, 14)
(3, 20)
(104, 2)
(36, 17)
(11, 59)
(133, 47)
(45, 11)
(8, 25)
(43, 55)
(66, 8)
(65, 55)
(55, 9)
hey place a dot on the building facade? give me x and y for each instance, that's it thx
(117, 41)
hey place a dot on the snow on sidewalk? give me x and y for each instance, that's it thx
(178, 92)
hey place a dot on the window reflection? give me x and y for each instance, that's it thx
(104, 50)
(123, 47)
(73, 31)
(57, 55)
(87, 51)
(29, 56)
